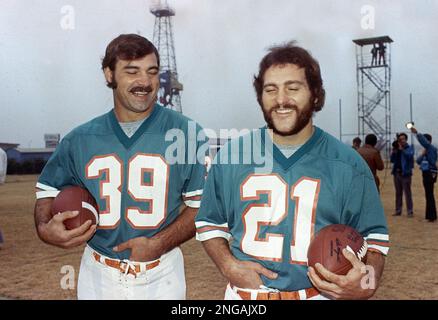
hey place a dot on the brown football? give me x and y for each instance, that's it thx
(76, 198)
(326, 248)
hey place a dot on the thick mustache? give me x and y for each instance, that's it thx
(285, 106)
(141, 89)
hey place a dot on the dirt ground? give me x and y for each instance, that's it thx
(31, 269)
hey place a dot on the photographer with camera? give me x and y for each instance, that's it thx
(402, 158)
(427, 162)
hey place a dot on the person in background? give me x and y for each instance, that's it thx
(372, 156)
(402, 158)
(427, 162)
(382, 53)
(1, 240)
(374, 51)
(356, 143)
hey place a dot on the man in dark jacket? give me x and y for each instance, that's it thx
(402, 158)
(427, 162)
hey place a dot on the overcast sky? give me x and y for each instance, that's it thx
(51, 80)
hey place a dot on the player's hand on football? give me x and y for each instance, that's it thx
(142, 248)
(347, 287)
(246, 274)
(54, 231)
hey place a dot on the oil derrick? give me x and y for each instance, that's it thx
(170, 87)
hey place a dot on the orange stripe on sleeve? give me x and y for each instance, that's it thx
(210, 228)
(377, 243)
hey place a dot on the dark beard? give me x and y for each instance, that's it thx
(303, 118)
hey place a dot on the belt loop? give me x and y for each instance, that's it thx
(274, 296)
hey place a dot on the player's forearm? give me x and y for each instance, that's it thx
(42, 210)
(219, 251)
(377, 262)
(179, 231)
(42, 213)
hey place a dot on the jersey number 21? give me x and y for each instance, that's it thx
(305, 195)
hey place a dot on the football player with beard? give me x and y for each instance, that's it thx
(272, 215)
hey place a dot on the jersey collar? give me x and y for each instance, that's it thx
(122, 137)
(281, 159)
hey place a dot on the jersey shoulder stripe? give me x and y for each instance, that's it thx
(377, 236)
(45, 191)
(210, 234)
(207, 230)
(191, 194)
(378, 242)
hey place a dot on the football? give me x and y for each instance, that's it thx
(326, 248)
(76, 198)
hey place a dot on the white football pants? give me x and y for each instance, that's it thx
(164, 282)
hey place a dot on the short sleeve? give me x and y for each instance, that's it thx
(195, 173)
(211, 220)
(363, 210)
(58, 172)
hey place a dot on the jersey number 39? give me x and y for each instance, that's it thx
(305, 195)
(154, 192)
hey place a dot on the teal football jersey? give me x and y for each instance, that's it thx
(272, 212)
(137, 184)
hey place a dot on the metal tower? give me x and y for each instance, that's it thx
(373, 58)
(170, 87)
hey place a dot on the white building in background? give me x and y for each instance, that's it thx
(3, 165)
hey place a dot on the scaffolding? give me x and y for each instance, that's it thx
(373, 72)
(170, 87)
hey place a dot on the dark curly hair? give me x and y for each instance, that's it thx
(127, 47)
(291, 53)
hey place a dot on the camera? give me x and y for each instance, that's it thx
(395, 144)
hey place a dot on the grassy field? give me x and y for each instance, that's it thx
(32, 269)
